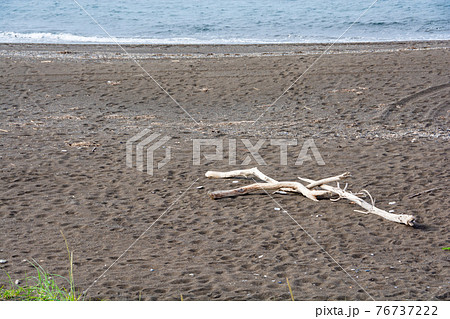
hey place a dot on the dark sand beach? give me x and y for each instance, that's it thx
(379, 111)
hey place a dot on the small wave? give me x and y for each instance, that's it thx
(378, 23)
(43, 37)
(67, 38)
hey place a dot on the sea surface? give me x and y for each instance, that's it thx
(222, 22)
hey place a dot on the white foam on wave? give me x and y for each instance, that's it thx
(43, 37)
(67, 38)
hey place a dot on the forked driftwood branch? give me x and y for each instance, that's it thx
(370, 208)
(306, 190)
(270, 184)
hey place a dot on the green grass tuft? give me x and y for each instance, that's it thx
(42, 287)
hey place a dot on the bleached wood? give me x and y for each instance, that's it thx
(398, 218)
(242, 172)
(308, 191)
(328, 180)
(271, 184)
(246, 173)
(292, 186)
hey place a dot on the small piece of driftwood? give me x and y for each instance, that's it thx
(243, 172)
(424, 192)
(306, 190)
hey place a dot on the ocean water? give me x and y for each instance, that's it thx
(222, 22)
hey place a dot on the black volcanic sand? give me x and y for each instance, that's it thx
(379, 111)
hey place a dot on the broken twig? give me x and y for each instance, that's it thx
(424, 192)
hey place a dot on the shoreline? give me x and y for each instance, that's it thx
(144, 51)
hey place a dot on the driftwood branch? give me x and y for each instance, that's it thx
(307, 191)
(327, 180)
(291, 186)
(271, 184)
(243, 173)
(370, 208)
